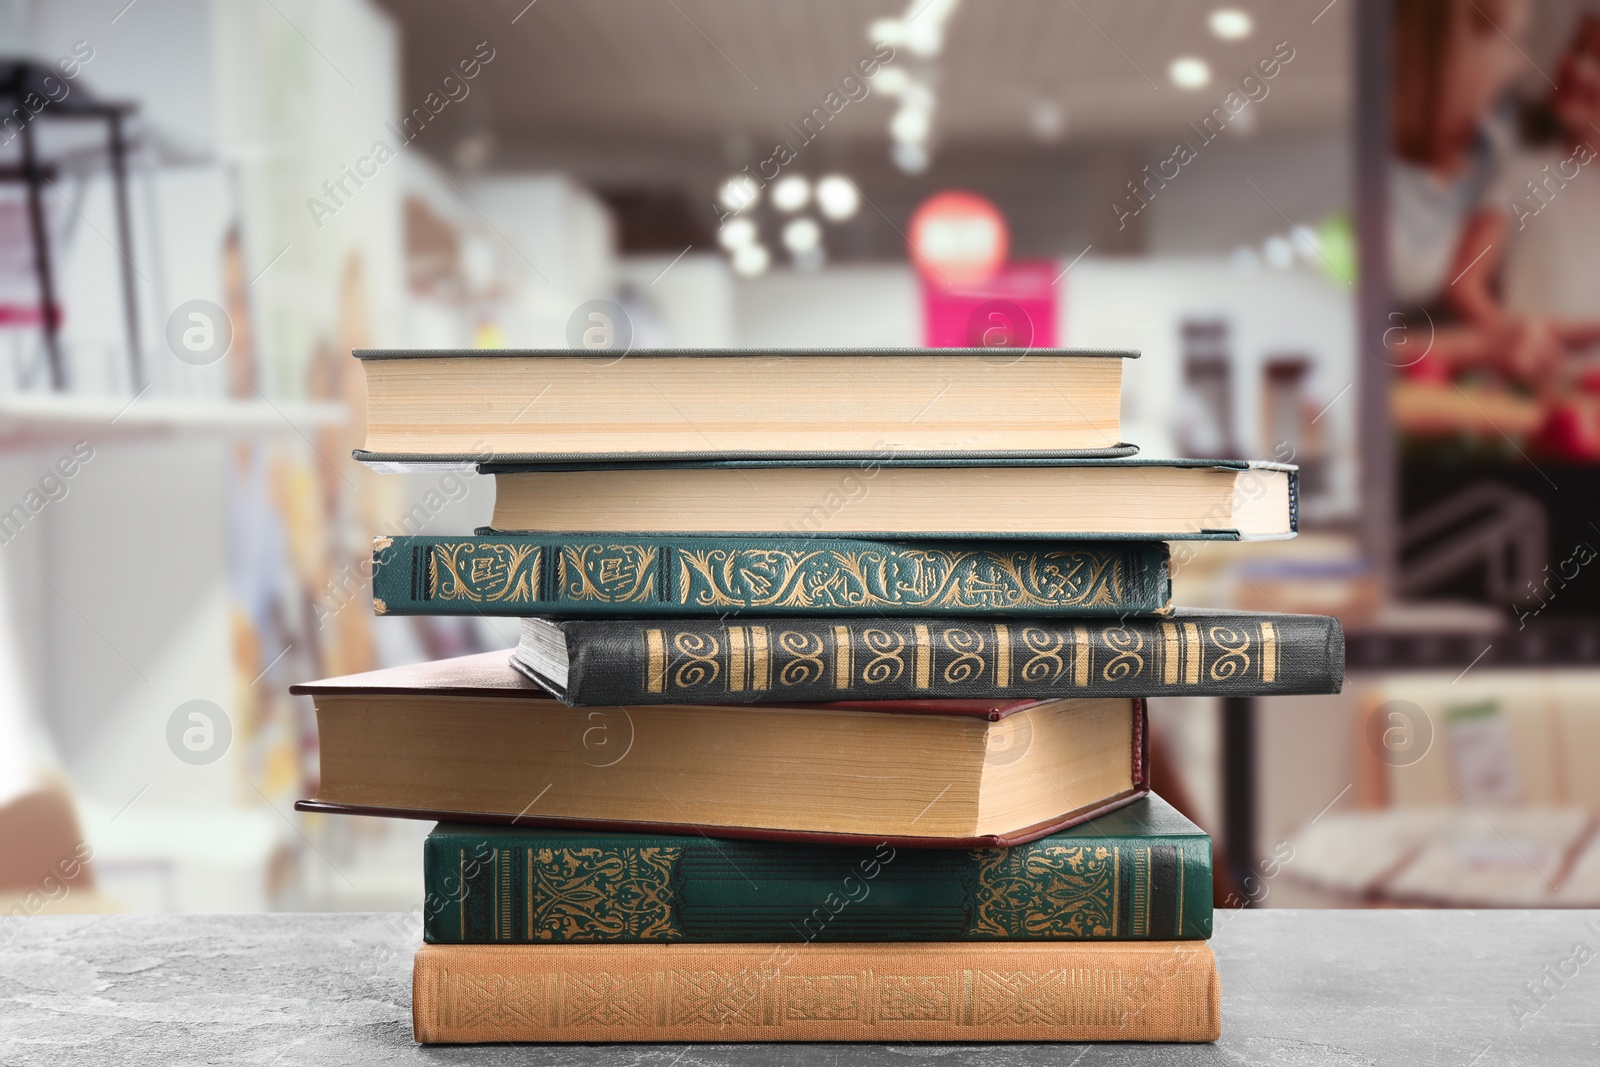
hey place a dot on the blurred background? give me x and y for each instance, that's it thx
(1357, 235)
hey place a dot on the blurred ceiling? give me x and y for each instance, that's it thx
(627, 84)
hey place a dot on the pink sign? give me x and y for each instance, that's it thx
(1015, 308)
(959, 239)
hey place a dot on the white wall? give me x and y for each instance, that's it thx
(555, 244)
(690, 301)
(878, 306)
(1141, 303)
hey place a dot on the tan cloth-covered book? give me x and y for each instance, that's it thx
(1009, 991)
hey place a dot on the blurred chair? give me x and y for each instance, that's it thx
(45, 863)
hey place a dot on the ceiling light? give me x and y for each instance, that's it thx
(924, 38)
(1305, 241)
(1278, 252)
(889, 31)
(802, 235)
(1048, 120)
(911, 125)
(739, 192)
(736, 234)
(1231, 23)
(1189, 72)
(751, 260)
(790, 192)
(911, 158)
(891, 81)
(917, 94)
(837, 198)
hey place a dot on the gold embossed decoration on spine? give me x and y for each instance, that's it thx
(1044, 891)
(484, 572)
(966, 993)
(607, 574)
(1233, 644)
(1127, 655)
(592, 894)
(923, 578)
(822, 659)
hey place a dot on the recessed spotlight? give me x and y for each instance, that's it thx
(917, 95)
(790, 192)
(837, 199)
(1304, 237)
(1189, 72)
(802, 235)
(1047, 120)
(891, 81)
(924, 38)
(751, 260)
(739, 192)
(736, 234)
(887, 31)
(911, 158)
(1231, 23)
(911, 125)
(1278, 252)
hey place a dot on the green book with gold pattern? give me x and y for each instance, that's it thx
(572, 576)
(1142, 872)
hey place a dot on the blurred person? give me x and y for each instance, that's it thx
(1453, 63)
(1549, 199)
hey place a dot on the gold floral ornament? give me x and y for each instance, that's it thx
(487, 572)
(1045, 891)
(609, 574)
(911, 579)
(592, 894)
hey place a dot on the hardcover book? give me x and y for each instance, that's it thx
(470, 739)
(936, 991)
(665, 661)
(1142, 872)
(467, 407)
(517, 575)
(984, 496)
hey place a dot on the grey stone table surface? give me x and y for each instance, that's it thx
(1457, 989)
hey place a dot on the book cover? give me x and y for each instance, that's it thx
(904, 496)
(426, 407)
(935, 991)
(656, 661)
(472, 740)
(1140, 873)
(518, 575)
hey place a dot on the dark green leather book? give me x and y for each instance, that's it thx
(609, 662)
(1140, 873)
(575, 576)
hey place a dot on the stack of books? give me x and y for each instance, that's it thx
(827, 719)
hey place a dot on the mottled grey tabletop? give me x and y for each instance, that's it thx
(1456, 988)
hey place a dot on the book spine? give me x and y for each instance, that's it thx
(533, 887)
(671, 662)
(519, 575)
(782, 992)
